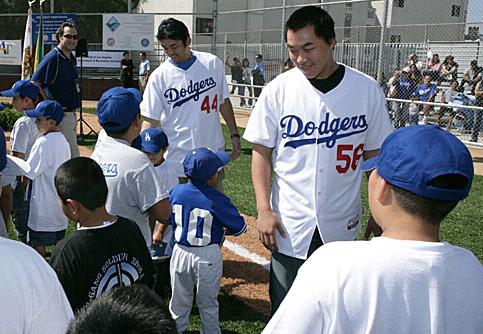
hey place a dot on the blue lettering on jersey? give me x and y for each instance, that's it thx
(193, 91)
(109, 169)
(330, 130)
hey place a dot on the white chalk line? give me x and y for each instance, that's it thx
(245, 253)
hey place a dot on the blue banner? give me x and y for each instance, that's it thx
(51, 22)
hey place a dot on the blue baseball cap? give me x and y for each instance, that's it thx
(117, 108)
(49, 108)
(137, 94)
(202, 163)
(22, 88)
(153, 140)
(411, 157)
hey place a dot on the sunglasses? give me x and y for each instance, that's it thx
(71, 36)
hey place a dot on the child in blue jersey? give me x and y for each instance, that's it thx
(200, 215)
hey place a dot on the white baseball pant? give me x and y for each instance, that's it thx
(199, 267)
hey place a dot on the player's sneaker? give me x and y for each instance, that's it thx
(157, 252)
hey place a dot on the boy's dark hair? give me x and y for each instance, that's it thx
(125, 53)
(173, 29)
(142, 53)
(129, 310)
(60, 31)
(312, 16)
(430, 210)
(81, 179)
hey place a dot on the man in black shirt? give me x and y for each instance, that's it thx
(127, 67)
(105, 251)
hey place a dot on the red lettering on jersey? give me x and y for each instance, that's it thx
(347, 159)
(205, 105)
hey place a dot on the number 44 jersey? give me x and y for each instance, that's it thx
(201, 214)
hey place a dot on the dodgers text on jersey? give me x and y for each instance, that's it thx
(330, 130)
(193, 91)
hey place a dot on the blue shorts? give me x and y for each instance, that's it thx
(35, 238)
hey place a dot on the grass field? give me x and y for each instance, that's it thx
(462, 227)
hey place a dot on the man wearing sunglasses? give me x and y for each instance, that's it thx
(58, 80)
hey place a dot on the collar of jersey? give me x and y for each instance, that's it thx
(184, 65)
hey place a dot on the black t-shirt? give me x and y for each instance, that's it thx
(326, 85)
(236, 73)
(128, 71)
(92, 261)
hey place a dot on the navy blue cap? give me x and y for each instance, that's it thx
(153, 140)
(49, 108)
(117, 108)
(202, 163)
(411, 157)
(23, 88)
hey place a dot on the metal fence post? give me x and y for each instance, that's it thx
(380, 59)
(215, 18)
(282, 37)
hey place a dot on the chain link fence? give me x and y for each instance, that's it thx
(398, 42)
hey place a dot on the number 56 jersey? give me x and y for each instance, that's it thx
(186, 102)
(201, 213)
(318, 142)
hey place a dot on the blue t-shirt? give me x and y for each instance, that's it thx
(405, 89)
(200, 213)
(423, 92)
(58, 75)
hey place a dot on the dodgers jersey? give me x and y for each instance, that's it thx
(200, 213)
(132, 181)
(23, 136)
(186, 102)
(318, 140)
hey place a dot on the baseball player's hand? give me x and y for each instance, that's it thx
(157, 236)
(235, 142)
(267, 224)
(372, 228)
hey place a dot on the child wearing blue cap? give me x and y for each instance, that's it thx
(199, 219)
(46, 221)
(407, 280)
(25, 95)
(135, 192)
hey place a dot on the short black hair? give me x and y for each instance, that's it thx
(125, 53)
(129, 310)
(60, 31)
(312, 16)
(81, 179)
(430, 210)
(173, 29)
(142, 53)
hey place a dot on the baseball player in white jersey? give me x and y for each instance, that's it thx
(312, 126)
(185, 94)
(134, 188)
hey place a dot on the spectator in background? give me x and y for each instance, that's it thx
(144, 68)
(404, 92)
(127, 67)
(433, 67)
(413, 60)
(247, 80)
(393, 85)
(449, 70)
(415, 76)
(236, 73)
(258, 74)
(478, 114)
(448, 97)
(424, 92)
(471, 77)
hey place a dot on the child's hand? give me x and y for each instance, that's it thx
(157, 236)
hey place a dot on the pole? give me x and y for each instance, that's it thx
(215, 19)
(129, 6)
(52, 6)
(282, 37)
(382, 42)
